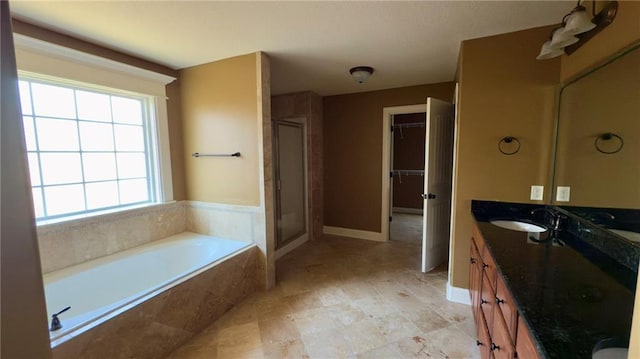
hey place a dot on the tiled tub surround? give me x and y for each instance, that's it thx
(164, 319)
(571, 297)
(70, 243)
(66, 244)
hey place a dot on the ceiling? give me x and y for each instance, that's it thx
(312, 45)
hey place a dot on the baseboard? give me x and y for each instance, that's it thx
(352, 233)
(458, 295)
(407, 210)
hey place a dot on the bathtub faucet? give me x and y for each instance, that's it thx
(55, 322)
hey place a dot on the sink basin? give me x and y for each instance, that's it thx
(632, 236)
(611, 353)
(610, 348)
(519, 226)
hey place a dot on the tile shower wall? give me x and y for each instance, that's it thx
(70, 243)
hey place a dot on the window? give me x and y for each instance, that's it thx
(89, 149)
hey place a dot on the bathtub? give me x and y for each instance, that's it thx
(102, 289)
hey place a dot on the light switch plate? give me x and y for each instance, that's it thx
(563, 193)
(537, 192)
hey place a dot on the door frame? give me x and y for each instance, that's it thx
(304, 237)
(387, 118)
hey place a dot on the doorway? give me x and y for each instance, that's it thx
(290, 168)
(436, 173)
(407, 177)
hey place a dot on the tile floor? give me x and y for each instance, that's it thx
(344, 298)
(406, 227)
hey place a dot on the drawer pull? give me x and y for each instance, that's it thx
(494, 347)
(499, 301)
(482, 301)
(479, 343)
(473, 260)
(484, 265)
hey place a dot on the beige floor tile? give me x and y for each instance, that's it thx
(344, 298)
(278, 330)
(240, 340)
(288, 349)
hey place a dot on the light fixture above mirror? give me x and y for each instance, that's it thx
(578, 26)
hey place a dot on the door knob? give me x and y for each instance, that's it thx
(428, 196)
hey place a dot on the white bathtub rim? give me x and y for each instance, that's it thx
(128, 303)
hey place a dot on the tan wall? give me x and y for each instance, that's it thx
(504, 91)
(624, 31)
(219, 115)
(353, 151)
(174, 115)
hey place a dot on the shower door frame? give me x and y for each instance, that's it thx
(303, 235)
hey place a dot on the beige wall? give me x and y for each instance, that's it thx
(624, 31)
(219, 112)
(353, 151)
(504, 91)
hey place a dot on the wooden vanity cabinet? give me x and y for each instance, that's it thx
(501, 334)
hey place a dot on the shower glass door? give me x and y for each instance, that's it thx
(290, 182)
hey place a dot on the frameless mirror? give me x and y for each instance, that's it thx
(598, 140)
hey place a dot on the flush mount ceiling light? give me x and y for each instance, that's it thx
(361, 73)
(578, 26)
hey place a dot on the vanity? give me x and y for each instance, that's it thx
(568, 291)
(544, 295)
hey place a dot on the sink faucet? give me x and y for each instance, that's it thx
(555, 217)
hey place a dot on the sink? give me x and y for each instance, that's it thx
(611, 353)
(610, 348)
(632, 236)
(518, 226)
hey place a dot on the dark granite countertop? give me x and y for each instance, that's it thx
(568, 302)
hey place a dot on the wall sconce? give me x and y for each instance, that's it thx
(577, 27)
(361, 73)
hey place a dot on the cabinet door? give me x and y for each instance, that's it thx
(487, 301)
(502, 345)
(475, 279)
(484, 340)
(507, 307)
(524, 343)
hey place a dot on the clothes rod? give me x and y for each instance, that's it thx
(196, 154)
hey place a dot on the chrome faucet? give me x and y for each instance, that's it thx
(555, 217)
(55, 322)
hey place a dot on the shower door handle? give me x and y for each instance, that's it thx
(428, 196)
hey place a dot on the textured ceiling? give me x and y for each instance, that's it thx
(312, 45)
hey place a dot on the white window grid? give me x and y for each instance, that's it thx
(146, 103)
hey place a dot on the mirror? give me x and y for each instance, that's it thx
(598, 142)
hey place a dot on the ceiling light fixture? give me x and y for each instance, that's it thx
(361, 73)
(578, 26)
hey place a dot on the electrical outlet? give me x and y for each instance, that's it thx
(563, 193)
(537, 192)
